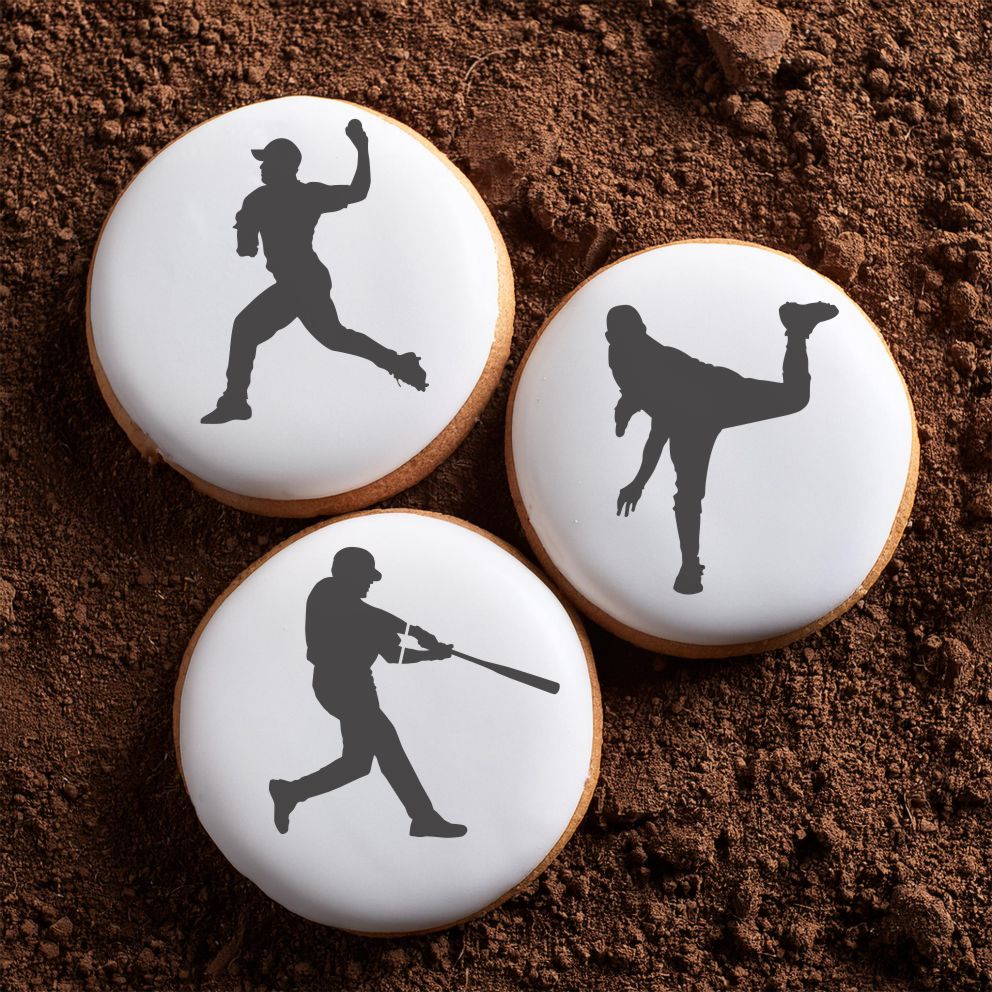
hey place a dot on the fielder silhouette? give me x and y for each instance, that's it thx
(690, 402)
(345, 635)
(284, 212)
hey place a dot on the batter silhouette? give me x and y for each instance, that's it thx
(690, 402)
(284, 212)
(345, 635)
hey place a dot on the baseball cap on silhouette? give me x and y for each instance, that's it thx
(621, 320)
(281, 151)
(355, 561)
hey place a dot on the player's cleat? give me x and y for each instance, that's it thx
(227, 409)
(406, 368)
(282, 802)
(435, 825)
(690, 578)
(801, 318)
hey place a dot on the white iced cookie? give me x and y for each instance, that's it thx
(390, 723)
(301, 305)
(711, 405)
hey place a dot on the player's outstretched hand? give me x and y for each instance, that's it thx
(443, 651)
(356, 133)
(628, 499)
(246, 252)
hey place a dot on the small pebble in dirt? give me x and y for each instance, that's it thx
(801, 934)
(110, 131)
(746, 37)
(913, 112)
(921, 919)
(878, 82)
(843, 256)
(957, 661)
(963, 356)
(756, 118)
(145, 961)
(963, 300)
(61, 929)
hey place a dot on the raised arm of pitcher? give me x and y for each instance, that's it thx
(359, 188)
(653, 447)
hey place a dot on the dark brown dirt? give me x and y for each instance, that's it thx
(818, 817)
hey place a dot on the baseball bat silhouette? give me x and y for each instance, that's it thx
(425, 638)
(527, 678)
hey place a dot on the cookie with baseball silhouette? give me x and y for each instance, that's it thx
(711, 448)
(302, 305)
(390, 723)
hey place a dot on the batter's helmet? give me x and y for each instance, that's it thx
(355, 562)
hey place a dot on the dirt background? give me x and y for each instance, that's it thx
(814, 817)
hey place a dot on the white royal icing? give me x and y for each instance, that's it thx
(797, 509)
(508, 761)
(413, 265)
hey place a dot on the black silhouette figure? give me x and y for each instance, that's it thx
(690, 402)
(345, 635)
(284, 212)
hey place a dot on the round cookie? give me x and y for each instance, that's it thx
(222, 346)
(418, 798)
(723, 370)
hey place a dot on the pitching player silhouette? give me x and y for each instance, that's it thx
(690, 402)
(284, 212)
(345, 635)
